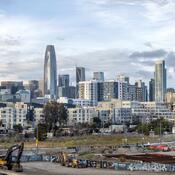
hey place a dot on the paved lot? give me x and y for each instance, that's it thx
(44, 168)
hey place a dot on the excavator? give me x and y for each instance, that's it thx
(6, 161)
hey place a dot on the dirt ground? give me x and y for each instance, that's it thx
(44, 168)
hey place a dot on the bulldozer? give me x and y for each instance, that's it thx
(7, 162)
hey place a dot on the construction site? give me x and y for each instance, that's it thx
(125, 159)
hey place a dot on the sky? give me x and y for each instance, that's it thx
(114, 36)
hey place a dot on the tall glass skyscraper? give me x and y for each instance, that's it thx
(152, 90)
(80, 74)
(50, 73)
(160, 81)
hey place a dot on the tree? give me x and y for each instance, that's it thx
(159, 126)
(41, 131)
(18, 128)
(54, 114)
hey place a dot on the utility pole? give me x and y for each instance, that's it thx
(37, 138)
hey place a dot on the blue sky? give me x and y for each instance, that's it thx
(114, 36)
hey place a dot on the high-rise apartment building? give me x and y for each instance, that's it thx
(152, 90)
(99, 76)
(141, 91)
(123, 90)
(50, 73)
(110, 90)
(89, 90)
(160, 81)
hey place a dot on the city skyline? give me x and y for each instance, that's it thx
(98, 31)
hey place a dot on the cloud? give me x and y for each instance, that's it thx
(149, 54)
(114, 36)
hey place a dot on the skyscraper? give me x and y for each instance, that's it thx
(63, 80)
(152, 90)
(98, 76)
(80, 74)
(50, 73)
(160, 81)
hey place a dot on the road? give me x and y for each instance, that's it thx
(45, 168)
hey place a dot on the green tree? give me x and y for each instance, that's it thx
(54, 114)
(158, 126)
(18, 128)
(96, 123)
(41, 131)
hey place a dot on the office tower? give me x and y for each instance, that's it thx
(89, 90)
(50, 73)
(99, 76)
(80, 74)
(160, 81)
(63, 80)
(152, 90)
(123, 78)
(141, 91)
(110, 90)
(14, 86)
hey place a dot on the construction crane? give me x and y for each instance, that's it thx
(6, 161)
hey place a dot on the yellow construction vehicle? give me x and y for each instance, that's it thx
(6, 161)
(63, 158)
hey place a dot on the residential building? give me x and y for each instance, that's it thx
(81, 115)
(123, 90)
(110, 90)
(21, 113)
(89, 90)
(141, 91)
(14, 114)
